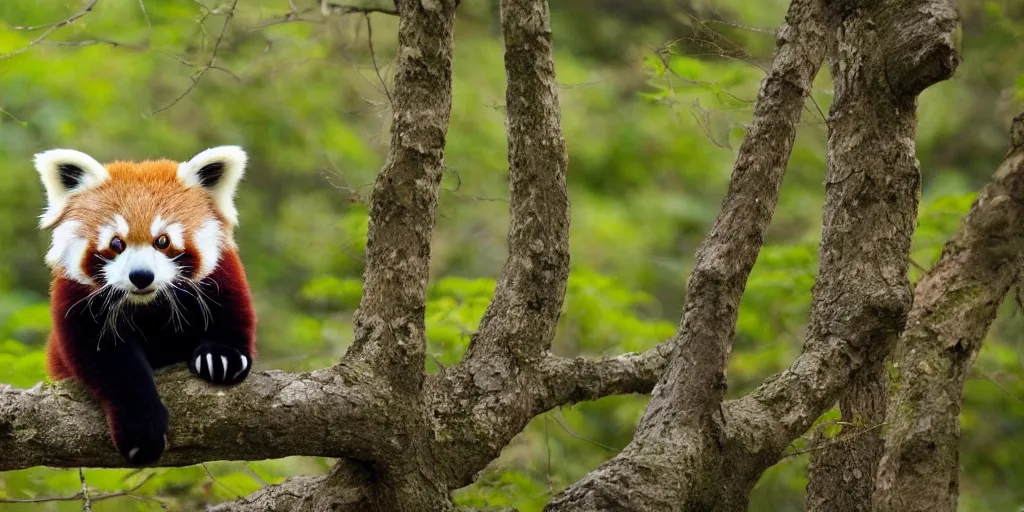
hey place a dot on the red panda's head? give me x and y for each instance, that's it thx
(139, 227)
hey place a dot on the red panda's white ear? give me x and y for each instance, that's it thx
(65, 172)
(218, 171)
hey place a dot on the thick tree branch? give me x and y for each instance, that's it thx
(389, 323)
(282, 497)
(520, 320)
(674, 461)
(562, 381)
(955, 303)
(571, 380)
(501, 373)
(862, 294)
(331, 413)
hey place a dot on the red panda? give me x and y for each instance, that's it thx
(145, 274)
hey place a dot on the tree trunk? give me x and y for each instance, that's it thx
(955, 304)
(871, 141)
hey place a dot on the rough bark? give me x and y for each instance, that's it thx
(282, 497)
(567, 381)
(332, 412)
(675, 461)
(955, 303)
(389, 329)
(872, 182)
(498, 387)
(420, 446)
(389, 323)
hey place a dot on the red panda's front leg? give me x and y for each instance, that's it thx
(225, 351)
(114, 369)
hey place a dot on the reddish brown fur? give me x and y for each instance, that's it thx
(120, 374)
(56, 367)
(233, 290)
(139, 191)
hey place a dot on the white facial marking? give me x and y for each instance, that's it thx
(106, 234)
(176, 232)
(117, 226)
(157, 226)
(208, 244)
(132, 259)
(121, 225)
(67, 250)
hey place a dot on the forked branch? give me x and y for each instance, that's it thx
(50, 29)
(497, 386)
(675, 459)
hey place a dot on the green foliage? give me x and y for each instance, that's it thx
(655, 99)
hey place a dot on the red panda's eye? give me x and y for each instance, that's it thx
(117, 245)
(162, 242)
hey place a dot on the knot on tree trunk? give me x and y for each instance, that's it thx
(923, 50)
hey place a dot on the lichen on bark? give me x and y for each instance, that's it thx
(863, 273)
(954, 305)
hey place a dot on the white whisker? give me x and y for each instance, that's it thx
(200, 300)
(88, 298)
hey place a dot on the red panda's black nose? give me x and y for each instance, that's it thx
(141, 278)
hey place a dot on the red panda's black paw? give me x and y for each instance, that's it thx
(141, 438)
(220, 364)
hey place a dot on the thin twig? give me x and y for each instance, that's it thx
(145, 15)
(292, 16)
(50, 30)
(12, 116)
(744, 27)
(218, 482)
(81, 495)
(92, 42)
(835, 441)
(547, 447)
(581, 438)
(86, 501)
(255, 475)
(328, 8)
(209, 65)
(373, 57)
(917, 265)
(985, 376)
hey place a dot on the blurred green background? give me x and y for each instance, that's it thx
(655, 95)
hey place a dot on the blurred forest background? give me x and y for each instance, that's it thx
(654, 96)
